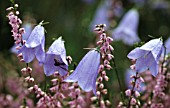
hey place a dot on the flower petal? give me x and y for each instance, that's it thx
(151, 45)
(28, 54)
(86, 71)
(141, 64)
(136, 53)
(58, 48)
(40, 54)
(127, 30)
(50, 68)
(36, 37)
(154, 68)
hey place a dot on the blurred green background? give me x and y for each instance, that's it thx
(71, 19)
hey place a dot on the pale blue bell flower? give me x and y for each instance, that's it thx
(101, 15)
(126, 31)
(55, 59)
(87, 71)
(147, 56)
(34, 46)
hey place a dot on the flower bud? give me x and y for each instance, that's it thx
(31, 79)
(133, 101)
(24, 70)
(98, 93)
(128, 92)
(16, 5)
(94, 98)
(106, 78)
(104, 91)
(137, 94)
(107, 103)
(101, 86)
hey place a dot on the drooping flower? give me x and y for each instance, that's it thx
(55, 59)
(86, 72)
(34, 46)
(101, 16)
(167, 45)
(127, 29)
(147, 56)
(28, 29)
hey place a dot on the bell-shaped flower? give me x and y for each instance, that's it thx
(127, 28)
(55, 59)
(101, 16)
(34, 46)
(28, 29)
(167, 45)
(147, 56)
(86, 72)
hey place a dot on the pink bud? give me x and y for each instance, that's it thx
(133, 101)
(100, 79)
(54, 81)
(29, 69)
(31, 79)
(109, 39)
(24, 70)
(101, 86)
(128, 92)
(137, 94)
(30, 89)
(106, 62)
(99, 42)
(16, 5)
(22, 30)
(27, 78)
(69, 59)
(132, 67)
(101, 67)
(103, 49)
(108, 67)
(19, 55)
(107, 103)
(98, 93)
(94, 98)
(17, 12)
(104, 91)
(111, 48)
(102, 104)
(103, 73)
(106, 78)
(110, 56)
(10, 8)
(35, 87)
